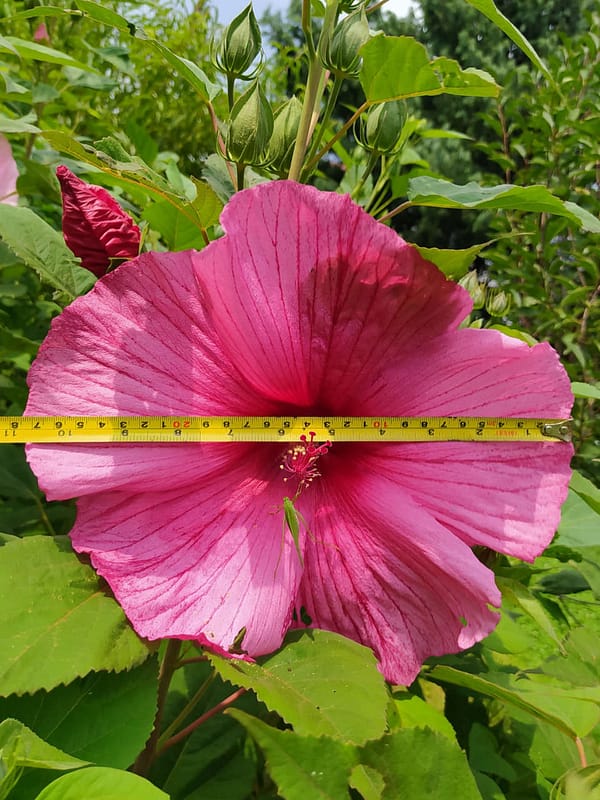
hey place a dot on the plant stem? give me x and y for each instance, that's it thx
(314, 87)
(331, 103)
(398, 210)
(196, 723)
(342, 131)
(186, 710)
(169, 664)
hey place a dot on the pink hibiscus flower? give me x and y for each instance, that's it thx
(307, 305)
(95, 227)
(8, 174)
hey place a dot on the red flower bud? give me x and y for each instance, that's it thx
(95, 226)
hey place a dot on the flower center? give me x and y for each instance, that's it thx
(300, 461)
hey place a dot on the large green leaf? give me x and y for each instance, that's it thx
(19, 125)
(489, 10)
(21, 748)
(427, 191)
(302, 766)
(58, 624)
(122, 706)
(413, 712)
(321, 683)
(420, 763)
(101, 783)
(39, 246)
(574, 711)
(396, 67)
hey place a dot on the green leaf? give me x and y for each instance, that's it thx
(12, 345)
(367, 782)
(420, 763)
(101, 783)
(106, 16)
(586, 490)
(395, 67)
(519, 595)
(453, 263)
(575, 711)
(206, 203)
(413, 712)
(302, 766)
(437, 193)
(21, 748)
(321, 683)
(20, 125)
(489, 10)
(39, 246)
(58, 624)
(578, 523)
(484, 755)
(177, 230)
(39, 52)
(122, 706)
(587, 390)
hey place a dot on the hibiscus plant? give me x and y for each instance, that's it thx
(316, 618)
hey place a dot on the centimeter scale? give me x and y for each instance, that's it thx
(84, 430)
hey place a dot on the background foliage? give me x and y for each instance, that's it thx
(128, 96)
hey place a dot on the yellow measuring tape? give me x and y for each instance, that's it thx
(84, 430)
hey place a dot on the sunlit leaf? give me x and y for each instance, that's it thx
(39, 246)
(321, 683)
(58, 624)
(302, 766)
(420, 763)
(101, 783)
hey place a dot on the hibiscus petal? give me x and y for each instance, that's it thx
(475, 372)
(506, 496)
(200, 564)
(384, 572)
(8, 174)
(138, 343)
(311, 296)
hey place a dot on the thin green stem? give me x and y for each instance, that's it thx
(186, 710)
(169, 664)
(197, 722)
(314, 88)
(398, 210)
(329, 108)
(373, 158)
(240, 170)
(230, 91)
(342, 132)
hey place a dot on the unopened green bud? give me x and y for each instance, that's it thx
(383, 127)
(474, 287)
(250, 128)
(339, 53)
(497, 302)
(285, 129)
(239, 45)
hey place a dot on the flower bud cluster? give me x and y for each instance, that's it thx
(486, 295)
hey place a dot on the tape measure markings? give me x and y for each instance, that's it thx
(89, 430)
